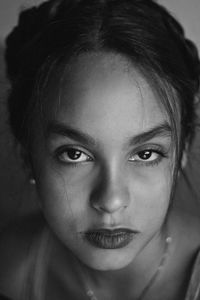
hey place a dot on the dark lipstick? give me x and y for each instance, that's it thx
(110, 239)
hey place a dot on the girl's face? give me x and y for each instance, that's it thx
(103, 160)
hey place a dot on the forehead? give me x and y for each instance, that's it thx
(105, 91)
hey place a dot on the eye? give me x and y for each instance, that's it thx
(72, 156)
(148, 156)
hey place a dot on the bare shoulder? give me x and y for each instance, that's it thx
(15, 242)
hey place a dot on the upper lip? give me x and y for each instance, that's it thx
(112, 231)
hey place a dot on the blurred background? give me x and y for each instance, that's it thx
(17, 196)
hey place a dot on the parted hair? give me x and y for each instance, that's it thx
(142, 30)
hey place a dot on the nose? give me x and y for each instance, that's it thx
(110, 194)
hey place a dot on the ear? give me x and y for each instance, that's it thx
(184, 159)
(24, 155)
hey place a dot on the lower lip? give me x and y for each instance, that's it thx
(109, 240)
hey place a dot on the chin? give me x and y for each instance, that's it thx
(107, 260)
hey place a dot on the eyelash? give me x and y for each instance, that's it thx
(62, 150)
(65, 149)
(160, 152)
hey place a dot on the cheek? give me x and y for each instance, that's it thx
(63, 200)
(150, 194)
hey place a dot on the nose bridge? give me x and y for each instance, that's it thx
(111, 192)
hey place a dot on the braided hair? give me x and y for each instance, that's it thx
(143, 31)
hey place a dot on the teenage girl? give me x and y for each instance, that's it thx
(103, 103)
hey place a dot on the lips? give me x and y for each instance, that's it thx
(110, 239)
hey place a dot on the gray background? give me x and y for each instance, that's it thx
(16, 195)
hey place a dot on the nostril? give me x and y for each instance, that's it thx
(112, 210)
(110, 203)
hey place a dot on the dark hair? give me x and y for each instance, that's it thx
(141, 30)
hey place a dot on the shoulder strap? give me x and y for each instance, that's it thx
(193, 292)
(34, 285)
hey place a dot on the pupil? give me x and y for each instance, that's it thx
(145, 154)
(74, 154)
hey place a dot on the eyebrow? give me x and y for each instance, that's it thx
(58, 128)
(161, 130)
(54, 127)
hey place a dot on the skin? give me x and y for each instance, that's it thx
(103, 96)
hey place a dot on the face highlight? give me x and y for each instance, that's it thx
(105, 158)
